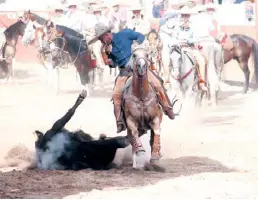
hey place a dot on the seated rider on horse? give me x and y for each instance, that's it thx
(117, 50)
(186, 38)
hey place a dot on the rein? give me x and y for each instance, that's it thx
(63, 46)
(178, 49)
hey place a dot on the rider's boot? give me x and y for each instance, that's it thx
(118, 113)
(165, 103)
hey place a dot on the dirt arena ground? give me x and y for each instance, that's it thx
(208, 153)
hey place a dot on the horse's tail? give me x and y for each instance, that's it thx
(255, 59)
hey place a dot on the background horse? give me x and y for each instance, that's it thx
(215, 62)
(141, 108)
(79, 55)
(35, 33)
(12, 34)
(242, 48)
(184, 75)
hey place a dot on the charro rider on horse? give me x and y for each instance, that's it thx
(186, 38)
(118, 48)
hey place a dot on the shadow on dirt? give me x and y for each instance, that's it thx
(100, 93)
(252, 84)
(58, 184)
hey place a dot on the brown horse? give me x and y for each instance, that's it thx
(242, 48)
(141, 109)
(11, 34)
(69, 48)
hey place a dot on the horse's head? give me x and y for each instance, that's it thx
(140, 61)
(176, 59)
(58, 45)
(29, 34)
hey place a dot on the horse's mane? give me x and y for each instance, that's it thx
(39, 19)
(76, 43)
(69, 31)
(243, 37)
(12, 29)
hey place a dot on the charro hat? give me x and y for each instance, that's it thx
(187, 11)
(100, 29)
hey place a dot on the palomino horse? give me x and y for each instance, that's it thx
(12, 34)
(141, 109)
(64, 44)
(242, 48)
(185, 74)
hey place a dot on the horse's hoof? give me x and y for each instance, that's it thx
(140, 152)
(154, 160)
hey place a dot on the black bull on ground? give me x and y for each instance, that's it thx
(61, 149)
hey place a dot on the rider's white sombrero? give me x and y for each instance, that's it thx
(58, 6)
(137, 7)
(211, 6)
(100, 29)
(187, 11)
(199, 8)
(95, 2)
(96, 8)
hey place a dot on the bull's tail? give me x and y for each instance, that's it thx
(255, 60)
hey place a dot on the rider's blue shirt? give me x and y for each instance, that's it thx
(121, 46)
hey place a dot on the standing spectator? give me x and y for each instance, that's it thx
(118, 17)
(158, 6)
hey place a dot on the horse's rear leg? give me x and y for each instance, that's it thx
(244, 66)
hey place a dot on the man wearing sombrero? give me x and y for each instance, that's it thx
(74, 17)
(59, 14)
(97, 17)
(118, 16)
(138, 23)
(117, 51)
(186, 37)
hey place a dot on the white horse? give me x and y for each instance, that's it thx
(52, 73)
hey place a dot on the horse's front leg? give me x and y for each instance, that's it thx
(155, 140)
(138, 152)
(9, 65)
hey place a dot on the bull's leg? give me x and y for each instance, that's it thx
(155, 140)
(59, 124)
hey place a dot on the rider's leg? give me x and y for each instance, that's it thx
(162, 95)
(201, 60)
(117, 98)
